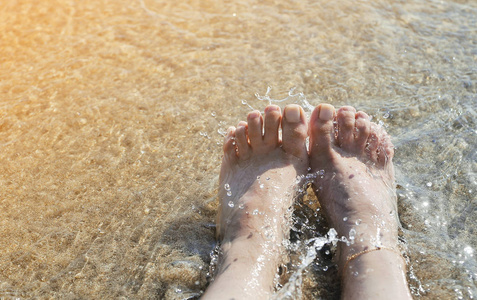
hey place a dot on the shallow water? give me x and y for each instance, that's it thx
(111, 114)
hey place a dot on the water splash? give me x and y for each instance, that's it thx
(296, 98)
(292, 289)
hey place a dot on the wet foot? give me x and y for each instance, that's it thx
(256, 190)
(352, 160)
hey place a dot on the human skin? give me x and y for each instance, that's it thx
(351, 162)
(354, 183)
(256, 191)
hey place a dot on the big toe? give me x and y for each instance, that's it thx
(322, 131)
(294, 131)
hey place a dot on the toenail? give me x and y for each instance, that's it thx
(326, 112)
(272, 108)
(254, 114)
(292, 113)
(362, 115)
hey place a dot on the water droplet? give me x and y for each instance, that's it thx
(197, 282)
(255, 212)
(345, 219)
(358, 222)
(325, 268)
(268, 178)
(231, 204)
(241, 206)
(221, 131)
(327, 252)
(258, 177)
(469, 250)
(244, 102)
(229, 193)
(227, 187)
(352, 234)
(429, 184)
(386, 116)
(262, 185)
(213, 114)
(309, 169)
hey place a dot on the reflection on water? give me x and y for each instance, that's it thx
(111, 114)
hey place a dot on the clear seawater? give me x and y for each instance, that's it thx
(111, 123)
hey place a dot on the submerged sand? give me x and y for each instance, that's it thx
(111, 114)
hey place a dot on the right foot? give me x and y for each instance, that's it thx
(352, 160)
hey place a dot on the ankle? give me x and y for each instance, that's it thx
(349, 255)
(250, 247)
(364, 243)
(375, 274)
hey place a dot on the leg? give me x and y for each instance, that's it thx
(256, 191)
(352, 158)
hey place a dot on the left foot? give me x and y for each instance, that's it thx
(256, 188)
(352, 160)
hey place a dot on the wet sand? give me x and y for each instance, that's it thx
(111, 114)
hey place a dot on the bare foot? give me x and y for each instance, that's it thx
(352, 160)
(257, 188)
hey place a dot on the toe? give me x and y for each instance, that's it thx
(294, 131)
(361, 132)
(229, 145)
(385, 149)
(272, 123)
(321, 130)
(255, 123)
(373, 143)
(346, 123)
(241, 140)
